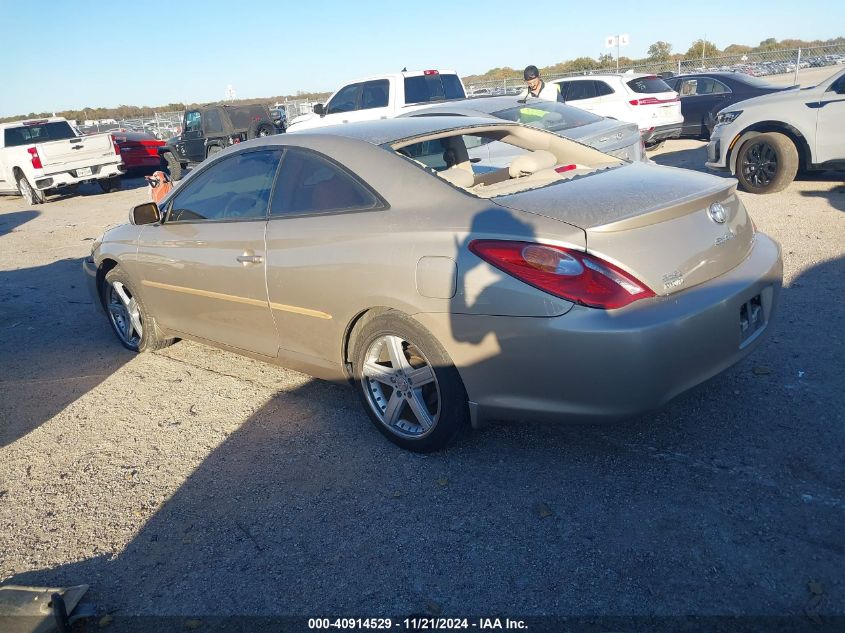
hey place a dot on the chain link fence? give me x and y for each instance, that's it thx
(779, 62)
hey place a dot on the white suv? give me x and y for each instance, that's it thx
(646, 100)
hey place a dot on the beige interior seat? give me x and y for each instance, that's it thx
(531, 163)
(458, 177)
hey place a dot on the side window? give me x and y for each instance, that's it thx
(689, 88)
(309, 183)
(213, 122)
(344, 101)
(581, 90)
(603, 89)
(838, 86)
(564, 86)
(718, 87)
(192, 122)
(235, 188)
(374, 94)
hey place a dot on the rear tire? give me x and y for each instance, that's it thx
(174, 167)
(261, 128)
(28, 192)
(767, 163)
(131, 322)
(108, 185)
(408, 385)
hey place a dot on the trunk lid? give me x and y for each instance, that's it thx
(76, 152)
(611, 137)
(654, 222)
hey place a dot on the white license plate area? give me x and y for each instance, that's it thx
(751, 318)
(83, 171)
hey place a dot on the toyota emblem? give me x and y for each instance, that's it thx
(717, 213)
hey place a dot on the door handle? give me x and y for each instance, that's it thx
(249, 259)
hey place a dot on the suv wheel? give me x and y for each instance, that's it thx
(261, 128)
(767, 163)
(173, 166)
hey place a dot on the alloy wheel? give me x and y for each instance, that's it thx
(401, 387)
(760, 165)
(124, 314)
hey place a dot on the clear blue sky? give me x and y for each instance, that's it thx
(70, 54)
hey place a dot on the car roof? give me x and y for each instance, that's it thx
(622, 76)
(480, 106)
(35, 121)
(404, 73)
(385, 131)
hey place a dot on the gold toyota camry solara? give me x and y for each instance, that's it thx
(448, 289)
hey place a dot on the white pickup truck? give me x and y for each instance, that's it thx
(50, 154)
(383, 97)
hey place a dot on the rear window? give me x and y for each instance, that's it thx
(426, 88)
(244, 116)
(548, 115)
(41, 133)
(649, 85)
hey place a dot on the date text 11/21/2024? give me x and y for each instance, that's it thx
(416, 624)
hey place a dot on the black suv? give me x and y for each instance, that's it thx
(208, 129)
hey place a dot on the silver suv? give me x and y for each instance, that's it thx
(766, 141)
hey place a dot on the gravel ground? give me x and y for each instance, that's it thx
(193, 481)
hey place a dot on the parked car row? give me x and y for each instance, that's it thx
(776, 66)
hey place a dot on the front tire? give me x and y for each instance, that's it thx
(766, 163)
(173, 166)
(28, 192)
(409, 386)
(131, 321)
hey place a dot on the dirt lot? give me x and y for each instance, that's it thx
(196, 482)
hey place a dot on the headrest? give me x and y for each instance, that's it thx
(529, 163)
(458, 177)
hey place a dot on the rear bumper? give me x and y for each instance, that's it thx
(662, 132)
(596, 365)
(59, 179)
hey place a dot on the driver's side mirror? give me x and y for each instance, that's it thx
(147, 213)
(319, 109)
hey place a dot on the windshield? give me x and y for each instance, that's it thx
(548, 115)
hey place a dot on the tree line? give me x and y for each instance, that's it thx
(659, 51)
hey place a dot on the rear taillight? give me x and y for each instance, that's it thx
(562, 272)
(652, 101)
(116, 146)
(36, 159)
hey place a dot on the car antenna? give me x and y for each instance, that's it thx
(404, 69)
